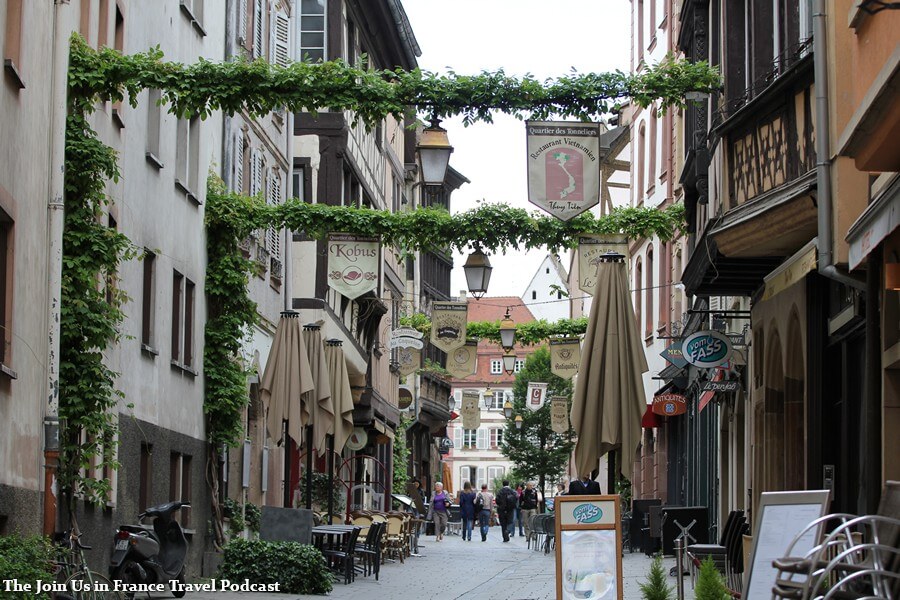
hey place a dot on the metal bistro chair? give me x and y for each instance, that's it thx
(550, 528)
(538, 531)
(342, 561)
(370, 550)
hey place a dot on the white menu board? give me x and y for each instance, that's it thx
(782, 516)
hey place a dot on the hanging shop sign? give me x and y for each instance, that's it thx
(674, 355)
(470, 411)
(563, 167)
(721, 386)
(588, 547)
(408, 332)
(590, 249)
(405, 342)
(410, 360)
(448, 325)
(706, 349)
(537, 393)
(462, 361)
(353, 263)
(559, 414)
(565, 356)
(357, 439)
(669, 405)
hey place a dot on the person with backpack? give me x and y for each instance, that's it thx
(484, 508)
(528, 507)
(506, 507)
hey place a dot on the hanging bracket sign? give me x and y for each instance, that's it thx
(590, 249)
(537, 393)
(353, 263)
(565, 356)
(461, 362)
(563, 167)
(669, 405)
(559, 414)
(470, 411)
(448, 325)
(706, 349)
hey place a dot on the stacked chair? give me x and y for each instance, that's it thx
(342, 560)
(370, 550)
(727, 554)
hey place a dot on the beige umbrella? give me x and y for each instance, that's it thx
(320, 405)
(341, 395)
(286, 380)
(609, 400)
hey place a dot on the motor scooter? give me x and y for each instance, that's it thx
(142, 556)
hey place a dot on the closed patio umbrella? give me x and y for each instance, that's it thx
(609, 400)
(341, 396)
(286, 380)
(321, 408)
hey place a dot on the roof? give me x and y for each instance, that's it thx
(493, 308)
(556, 263)
(404, 29)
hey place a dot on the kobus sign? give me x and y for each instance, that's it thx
(706, 349)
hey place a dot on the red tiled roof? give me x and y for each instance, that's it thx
(493, 308)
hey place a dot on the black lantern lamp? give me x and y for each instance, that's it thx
(434, 153)
(478, 273)
(507, 332)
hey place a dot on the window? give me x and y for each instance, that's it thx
(639, 25)
(180, 484)
(193, 10)
(148, 304)
(154, 121)
(111, 275)
(496, 437)
(279, 44)
(651, 179)
(187, 156)
(641, 164)
(638, 297)
(182, 320)
(481, 442)
(534, 294)
(311, 41)
(648, 328)
(519, 365)
(103, 24)
(259, 28)
(652, 21)
(495, 473)
(480, 479)
(243, 23)
(469, 438)
(6, 280)
(496, 366)
(457, 438)
(12, 42)
(468, 474)
(145, 487)
(273, 235)
(299, 184)
(496, 400)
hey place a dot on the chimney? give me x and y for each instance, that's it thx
(462, 295)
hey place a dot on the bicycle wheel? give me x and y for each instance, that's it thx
(89, 585)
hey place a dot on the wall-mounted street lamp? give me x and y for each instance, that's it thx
(434, 153)
(488, 397)
(507, 332)
(478, 273)
(518, 421)
(507, 409)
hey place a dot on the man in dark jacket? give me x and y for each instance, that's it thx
(584, 487)
(506, 507)
(528, 506)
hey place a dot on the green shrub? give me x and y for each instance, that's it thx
(656, 587)
(232, 511)
(253, 516)
(26, 559)
(298, 568)
(710, 585)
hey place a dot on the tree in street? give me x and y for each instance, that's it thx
(536, 450)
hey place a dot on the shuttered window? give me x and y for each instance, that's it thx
(273, 238)
(282, 39)
(243, 21)
(482, 441)
(258, 28)
(311, 41)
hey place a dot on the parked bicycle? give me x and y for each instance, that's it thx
(74, 579)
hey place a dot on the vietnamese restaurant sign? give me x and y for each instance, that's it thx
(563, 167)
(353, 263)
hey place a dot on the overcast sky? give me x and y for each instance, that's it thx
(544, 38)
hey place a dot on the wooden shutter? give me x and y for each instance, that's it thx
(238, 158)
(270, 54)
(242, 22)
(258, 28)
(481, 479)
(282, 35)
(481, 441)
(457, 438)
(274, 198)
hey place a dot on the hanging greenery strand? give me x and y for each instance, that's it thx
(260, 87)
(528, 334)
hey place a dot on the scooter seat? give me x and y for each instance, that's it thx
(164, 509)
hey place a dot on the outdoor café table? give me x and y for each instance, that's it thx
(331, 537)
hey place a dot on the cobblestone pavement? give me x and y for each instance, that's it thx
(472, 570)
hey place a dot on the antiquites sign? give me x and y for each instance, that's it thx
(461, 362)
(669, 405)
(563, 167)
(353, 263)
(470, 412)
(590, 249)
(559, 414)
(565, 357)
(448, 325)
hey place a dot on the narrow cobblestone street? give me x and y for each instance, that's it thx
(477, 571)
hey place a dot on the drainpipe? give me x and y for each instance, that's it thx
(55, 217)
(823, 155)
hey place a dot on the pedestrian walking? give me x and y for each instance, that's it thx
(467, 510)
(506, 508)
(440, 510)
(484, 508)
(528, 507)
(520, 522)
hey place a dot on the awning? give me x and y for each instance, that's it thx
(877, 222)
(650, 419)
(793, 270)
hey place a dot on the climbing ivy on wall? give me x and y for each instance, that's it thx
(92, 311)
